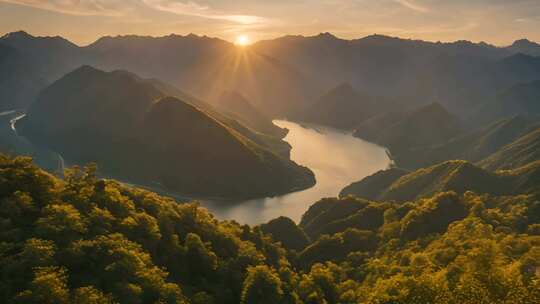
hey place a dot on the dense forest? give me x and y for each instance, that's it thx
(88, 240)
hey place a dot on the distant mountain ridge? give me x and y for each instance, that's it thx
(285, 74)
(343, 107)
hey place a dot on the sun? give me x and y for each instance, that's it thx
(242, 40)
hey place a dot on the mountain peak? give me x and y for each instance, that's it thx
(525, 43)
(326, 35)
(17, 35)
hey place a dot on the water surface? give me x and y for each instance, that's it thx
(337, 159)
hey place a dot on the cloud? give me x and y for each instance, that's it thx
(191, 8)
(410, 4)
(118, 8)
(80, 7)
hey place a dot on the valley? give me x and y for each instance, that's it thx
(302, 169)
(335, 157)
(345, 159)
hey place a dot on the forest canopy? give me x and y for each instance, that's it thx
(89, 240)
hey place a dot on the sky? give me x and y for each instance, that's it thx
(499, 22)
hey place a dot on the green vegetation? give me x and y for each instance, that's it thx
(518, 153)
(444, 249)
(285, 231)
(86, 240)
(473, 146)
(452, 232)
(370, 187)
(459, 176)
(135, 132)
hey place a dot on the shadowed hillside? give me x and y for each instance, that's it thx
(520, 99)
(342, 107)
(133, 131)
(235, 105)
(401, 131)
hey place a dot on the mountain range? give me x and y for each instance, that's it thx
(284, 75)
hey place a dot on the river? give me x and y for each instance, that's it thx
(337, 159)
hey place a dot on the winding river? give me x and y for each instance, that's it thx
(337, 159)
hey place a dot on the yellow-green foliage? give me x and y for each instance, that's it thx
(86, 241)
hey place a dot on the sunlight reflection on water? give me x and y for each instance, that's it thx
(337, 159)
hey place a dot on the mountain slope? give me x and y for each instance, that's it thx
(371, 186)
(87, 240)
(35, 62)
(284, 75)
(525, 46)
(237, 106)
(472, 146)
(518, 153)
(18, 81)
(133, 131)
(401, 131)
(205, 67)
(519, 99)
(459, 176)
(342, 107)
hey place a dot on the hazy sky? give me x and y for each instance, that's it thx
(83, 21)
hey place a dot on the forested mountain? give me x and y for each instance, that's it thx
(472, 146)
(85, 240)
(518, 153)
(459, 176)
(370, 187)
(135, 132)
(400, 131)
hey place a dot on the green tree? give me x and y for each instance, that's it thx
(262, 286)
(90, 295)
(48, 287)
